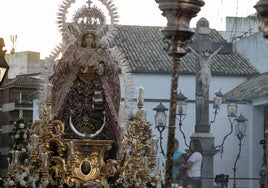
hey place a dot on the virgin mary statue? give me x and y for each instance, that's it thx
(86, 90)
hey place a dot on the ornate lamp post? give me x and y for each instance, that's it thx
(160, 122)
(176, 35)
(3, 64)
(240, 132)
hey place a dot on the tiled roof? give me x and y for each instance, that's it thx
(255, 87)
(23, 81)
(143, 46)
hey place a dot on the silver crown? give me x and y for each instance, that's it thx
(86, 18)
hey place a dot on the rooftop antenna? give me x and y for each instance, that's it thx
(13, 39)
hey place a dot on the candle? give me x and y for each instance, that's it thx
(121, 128)
(50, 116)
(145, 162)
(44, 158)
(71, 145)
(40, 148)
(57, 129)
(16, 156)
(140, 93)
(154, 144)
(48, 90)
(34, 140)
(120, 150)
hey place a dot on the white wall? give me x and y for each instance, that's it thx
(254, 48)
(23, 63)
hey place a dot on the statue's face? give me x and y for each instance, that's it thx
(89, 39)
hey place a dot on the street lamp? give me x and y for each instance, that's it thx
(216, 104)
(240, 132)
(232, 107)
(3, 64)
(231, 114)
(160, 122)
(181, 105)
(177, 34)
(181, 112)
(262, 12)
(240, 127)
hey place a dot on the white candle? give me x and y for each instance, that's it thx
(57, 129)
(154, 144)
(71, 145)
(145, 162)
(40, 148)
(34, 140)
(48, 90)
(140, 92)
(121, 131)
(44, 158)
(16, 156)
(120, 150)
(50, 115)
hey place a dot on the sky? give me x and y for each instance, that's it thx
(34, 21)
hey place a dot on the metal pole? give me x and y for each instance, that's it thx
(237, 157)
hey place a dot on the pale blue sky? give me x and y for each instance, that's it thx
(34, 21)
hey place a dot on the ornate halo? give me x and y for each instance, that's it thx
(86, 18)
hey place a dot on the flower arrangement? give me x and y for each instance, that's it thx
(20, 139)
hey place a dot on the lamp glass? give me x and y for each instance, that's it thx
(232, 109)
(240, 129)
(217, 102)
(160, 119)
(182, 107)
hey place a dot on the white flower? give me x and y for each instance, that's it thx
(23, 183)
(25, 136)
(33, 184)
(11, 182)
(153, 184)
(175, 185)
(17, 136)
(23, 175)
(23, 150)
(45, 183)
(158, 185)
(157, 177)
(21, 125)
(137, 184)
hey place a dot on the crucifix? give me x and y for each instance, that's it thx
(204, 60)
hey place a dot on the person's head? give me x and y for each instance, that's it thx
(89, 39)
(176, 144)
(195, 145)
(183, 158)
